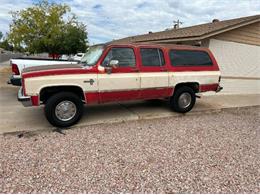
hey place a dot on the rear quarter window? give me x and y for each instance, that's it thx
(189, 58)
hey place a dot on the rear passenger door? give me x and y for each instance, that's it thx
(153, 73)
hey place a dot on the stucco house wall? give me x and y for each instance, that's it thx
(239, 64)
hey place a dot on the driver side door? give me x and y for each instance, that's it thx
(123, 83)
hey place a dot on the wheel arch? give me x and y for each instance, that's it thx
(48, 91)
(193, 85)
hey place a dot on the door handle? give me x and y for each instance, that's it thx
(135, 70)
(90, 81)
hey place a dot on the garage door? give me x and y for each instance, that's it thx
(239, 65)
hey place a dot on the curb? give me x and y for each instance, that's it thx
(139, 118)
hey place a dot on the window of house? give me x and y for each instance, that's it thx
(189, 58)
(125, 57)
(152, 57)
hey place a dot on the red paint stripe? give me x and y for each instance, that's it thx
(58, 72)
(92, 97)
(35, 100)
(113, 96)
(209, 87)
(156, 93)
(119, 96)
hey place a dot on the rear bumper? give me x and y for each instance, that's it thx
(219, 89)
(25, 100)
(210, 87)
(15, 81)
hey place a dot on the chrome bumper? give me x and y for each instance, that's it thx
(25, 100)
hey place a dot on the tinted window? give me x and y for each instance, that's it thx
(125, 57)
(189, 58)
(152, 57)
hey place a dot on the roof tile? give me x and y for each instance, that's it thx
(192, 31)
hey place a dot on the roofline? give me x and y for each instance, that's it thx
(194, 38)
(151, 44)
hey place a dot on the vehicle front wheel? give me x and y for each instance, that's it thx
(63, 109)
(183, 99)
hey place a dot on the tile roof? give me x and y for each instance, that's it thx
(192, 31)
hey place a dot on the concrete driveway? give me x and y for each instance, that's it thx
(14, 117)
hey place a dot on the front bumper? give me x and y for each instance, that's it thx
(25, 100)
(15, 81)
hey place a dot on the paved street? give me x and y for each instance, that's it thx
(14, 117)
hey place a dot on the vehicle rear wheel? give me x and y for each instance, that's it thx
(63, 109)
(183, 99)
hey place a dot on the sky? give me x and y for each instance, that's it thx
(113, 19)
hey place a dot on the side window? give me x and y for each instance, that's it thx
(125, 57)
(152, 57)
(189, 58)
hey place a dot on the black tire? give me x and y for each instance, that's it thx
(175, 99)
(58, 98)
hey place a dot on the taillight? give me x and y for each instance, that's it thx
(15, 69)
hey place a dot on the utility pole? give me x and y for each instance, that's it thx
(177, 24)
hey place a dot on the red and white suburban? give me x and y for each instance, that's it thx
(121, 72)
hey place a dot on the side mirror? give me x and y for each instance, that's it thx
(108, 69)
(113, 63)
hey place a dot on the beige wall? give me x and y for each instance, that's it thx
(239, 65)
(248, 34)
(236, 59)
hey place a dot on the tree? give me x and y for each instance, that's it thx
(74, 39)
(6, 45)
(1, 35)
(44, 28)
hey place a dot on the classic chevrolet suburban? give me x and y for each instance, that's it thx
(121, 72)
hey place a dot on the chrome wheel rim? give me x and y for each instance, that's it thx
(65, 110)
(184, 100)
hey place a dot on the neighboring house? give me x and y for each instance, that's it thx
(235, 44)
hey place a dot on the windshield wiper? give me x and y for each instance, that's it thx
(85, 63)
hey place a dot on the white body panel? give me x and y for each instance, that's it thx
(154, 80)
(24, 63)
(35, 84)
(121, 81)
(201, 77)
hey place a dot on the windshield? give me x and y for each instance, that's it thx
(92, 55)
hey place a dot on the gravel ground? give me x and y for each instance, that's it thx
(210, 153)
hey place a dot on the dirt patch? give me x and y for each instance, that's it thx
(6, 69)
(4, 78)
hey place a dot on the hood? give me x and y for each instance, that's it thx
(51, 67)
(60, 69)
